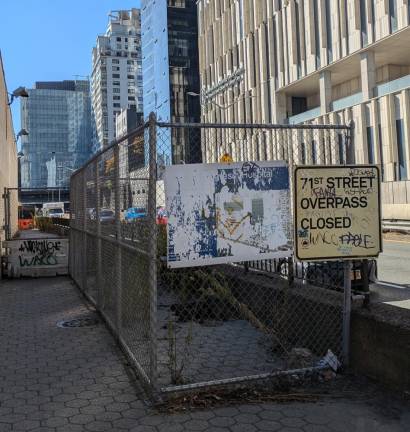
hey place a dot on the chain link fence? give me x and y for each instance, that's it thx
(193, 327)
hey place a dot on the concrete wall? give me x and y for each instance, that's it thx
(395, 200)
(8, 155)
(380, 345)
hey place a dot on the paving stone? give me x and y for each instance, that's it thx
(169, 426)
(268, 425)
(222, 421)
(315, 428)
(292, 422)
(98, 426)
(26, 425)
(56, 421)
(82, 419)
(243, 428)
(196, 425)
(246, 418)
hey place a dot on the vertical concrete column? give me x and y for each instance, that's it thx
(325, 88)
(279, 104)
(368, 74)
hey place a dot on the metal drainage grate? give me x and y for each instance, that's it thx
(79, 322)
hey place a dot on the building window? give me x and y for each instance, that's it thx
(116, 90)
(115, 75)
(393, 15)
(296, 34)
(317, 41)
(363, 23)
(116, 83)
(116, 97)
(329, 39)
(116, 105)
(240, 3)
(341, 148)
(303, 153)
(299, 105)
(115, 68)
(370, 145)
(402, 168)
(381, 150)
(115, 61)
(314, 152)
(118, 39)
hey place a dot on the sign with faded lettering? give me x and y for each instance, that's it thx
(337, 212)
(37, 257)
(221, 213)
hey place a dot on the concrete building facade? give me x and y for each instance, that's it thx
(315, 61)
(116, 79)
(8, 157)
(170, 71)
(57, 117)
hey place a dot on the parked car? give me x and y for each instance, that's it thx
(331, 274)
(162, 216)
(107, 216)
(55, 212)
(134, 213)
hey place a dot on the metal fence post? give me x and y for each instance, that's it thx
(7, 228)
(98, 222)
(118, 262)
(84, 248)
(347, 268)
(152, 195)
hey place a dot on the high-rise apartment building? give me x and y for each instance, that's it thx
(169, 36)
(116, 79)
(317, 61)
(57, 117)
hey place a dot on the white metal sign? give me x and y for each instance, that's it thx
(221, 213)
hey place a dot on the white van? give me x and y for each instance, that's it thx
(53, 209)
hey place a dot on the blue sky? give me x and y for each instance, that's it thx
(50, 40)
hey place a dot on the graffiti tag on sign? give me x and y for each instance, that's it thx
(337, 212)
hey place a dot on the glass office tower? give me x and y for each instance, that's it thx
(169, 39)
(57, 117)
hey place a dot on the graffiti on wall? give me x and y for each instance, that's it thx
(37, 257)
(39, 252)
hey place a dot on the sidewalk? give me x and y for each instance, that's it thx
(75, 379)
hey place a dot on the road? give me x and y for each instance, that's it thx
(394, 262)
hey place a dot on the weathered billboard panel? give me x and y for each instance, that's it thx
(221, 213)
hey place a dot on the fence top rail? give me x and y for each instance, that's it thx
(265, 126)
(250, 126)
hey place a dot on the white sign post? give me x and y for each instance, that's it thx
(222, 213)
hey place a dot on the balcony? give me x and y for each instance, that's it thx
(346, 102)
(304, 116)
(392, 86)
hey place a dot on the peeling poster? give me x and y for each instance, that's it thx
(222, 213)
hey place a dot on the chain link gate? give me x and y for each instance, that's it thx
(195, 327)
